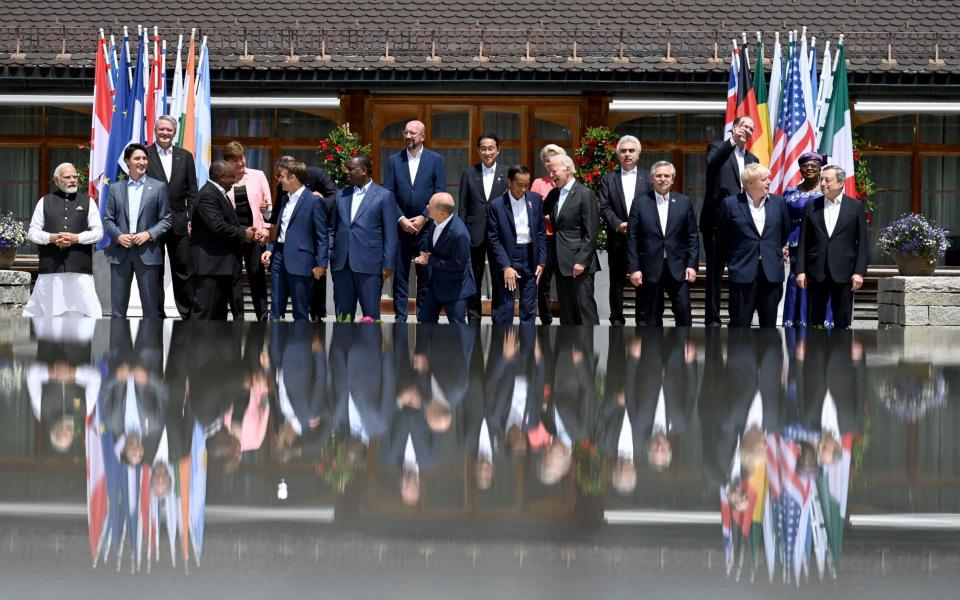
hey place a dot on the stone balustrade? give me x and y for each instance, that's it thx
(918, 301)
(14, 292)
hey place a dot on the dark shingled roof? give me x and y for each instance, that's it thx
(535, 40)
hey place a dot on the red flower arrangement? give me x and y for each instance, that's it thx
(595, 157)
(336, 150)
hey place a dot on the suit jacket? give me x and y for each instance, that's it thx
(502, 230)
(258, 190)
(181, 187)
(613, 205)
(647, 241)
(836, 256)
(412, 196)
(318, 182)
(359, 370)
(742, 243)
(370, 240)
(450, 270)
(500, 381)
(154, 218)
(305, 243)
(474, 204)
(575, 229)
(722, 180)
(217, 237)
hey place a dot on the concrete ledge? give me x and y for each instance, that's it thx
(14, 292)
(918, 301)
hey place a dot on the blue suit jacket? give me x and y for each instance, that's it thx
(154, 218)
(450, 270)
(646, 242)
(502, 229)
(412, 196)
(743, 244)
(370, 241)
(305, 239)
(359, 369)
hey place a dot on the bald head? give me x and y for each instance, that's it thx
(441, 207)
(413, 135)
(223, 173)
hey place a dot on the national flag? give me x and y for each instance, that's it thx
(188, 124)
(808, 96)
(198, 490)
(154, 97)
(761, 147)
(102, 117)
(837, 139)
(795, 507)
(204, 139)
(776, 87)
(96, 472)
(121, 127)
(176, 94)
(832, 487)
(747, 98)
(731, 94)
(141, 78)
(825, 89)
(794, 134)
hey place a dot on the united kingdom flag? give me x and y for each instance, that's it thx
(795, 133)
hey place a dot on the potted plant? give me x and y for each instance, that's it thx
(336, 150)
(12, 235)
(915, 243)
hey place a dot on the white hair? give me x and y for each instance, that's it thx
(550, 149)
(628, 139)
(566, 161)
(168, 119)
(61, 167)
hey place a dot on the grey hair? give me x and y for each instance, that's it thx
(628, 138)
(61, 167)
(837, 169)
(168, 119)
(551, 149)
(663, 163)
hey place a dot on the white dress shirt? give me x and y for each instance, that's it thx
(829, 423)
(488, 176)
(286, 408)
(134, 196)
(660, 414)
(166, 160)
(629, 180)
(518, 402)
(564, 192)
(287, 214)
(562, 430)
(485, 444)
(740, 155)
(625, 441)
(831, 211)
(520, 219)
(759, 214)
(413, 164)
(439, 229)
(410, 456)
(356, 421)
(131, 412)
(663, 207)
(358, 195)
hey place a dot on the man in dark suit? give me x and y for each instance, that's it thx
(518, 248)
(752, 231)
(136, 217)
(325, 190)
(363, 242)
(619, 192)
(364, 382)
(299, 254)
(479, 185)
(413, 176)
(832, 253)
(576, 221)
(725, 163)
(216, 241)
(175, 167)
(446, 254)
(663, 249)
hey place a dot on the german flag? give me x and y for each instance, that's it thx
(747, 101)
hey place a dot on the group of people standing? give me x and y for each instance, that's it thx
(530, 232)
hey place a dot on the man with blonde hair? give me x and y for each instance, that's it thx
(542, 186)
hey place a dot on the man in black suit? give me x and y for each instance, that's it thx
(479, 185)
(325, 189)
(619, 191)
(215, 244)
(725, 163)
(175, 167)
(663, 249)
(752, 231)
(573, 211)
(832, 253)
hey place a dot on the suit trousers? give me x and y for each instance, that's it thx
(211, 293)
(256, 275)
(761, 296)
(285, 286)
(349, 288)
(839, 296)
(577, 305)
(546, 279)
(526, 290)
(456, 310)
(409, 248)
(716, 261)
(149, 281)
(617, 263)
(479, 255)
(650, 300)
(178, 248)
(318, 300)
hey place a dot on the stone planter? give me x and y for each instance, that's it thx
(915, 266)
(7, 256)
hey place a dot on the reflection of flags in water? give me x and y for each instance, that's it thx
(832, 488)
(726, 526)
(198, 489)
(96, 482)
(795, 495)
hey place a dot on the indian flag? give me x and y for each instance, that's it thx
(837, 141)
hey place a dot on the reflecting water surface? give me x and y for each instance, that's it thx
(203, 458)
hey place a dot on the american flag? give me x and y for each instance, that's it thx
(795, 504)
(794, 134)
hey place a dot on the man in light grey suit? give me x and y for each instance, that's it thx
(134, 247)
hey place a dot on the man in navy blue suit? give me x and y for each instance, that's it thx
(517, 235)
(752, 230)
(299, 253)
(446, 253)
(663, 249)
(363, 240)
(413, 175)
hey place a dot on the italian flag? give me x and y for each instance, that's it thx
(837, 140)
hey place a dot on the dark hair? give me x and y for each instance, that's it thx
(489, 136)
(517, 170)
(296, 168)
(366, 162)
(131, 148)
(739, 119)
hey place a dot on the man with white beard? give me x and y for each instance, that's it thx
(65, 227)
